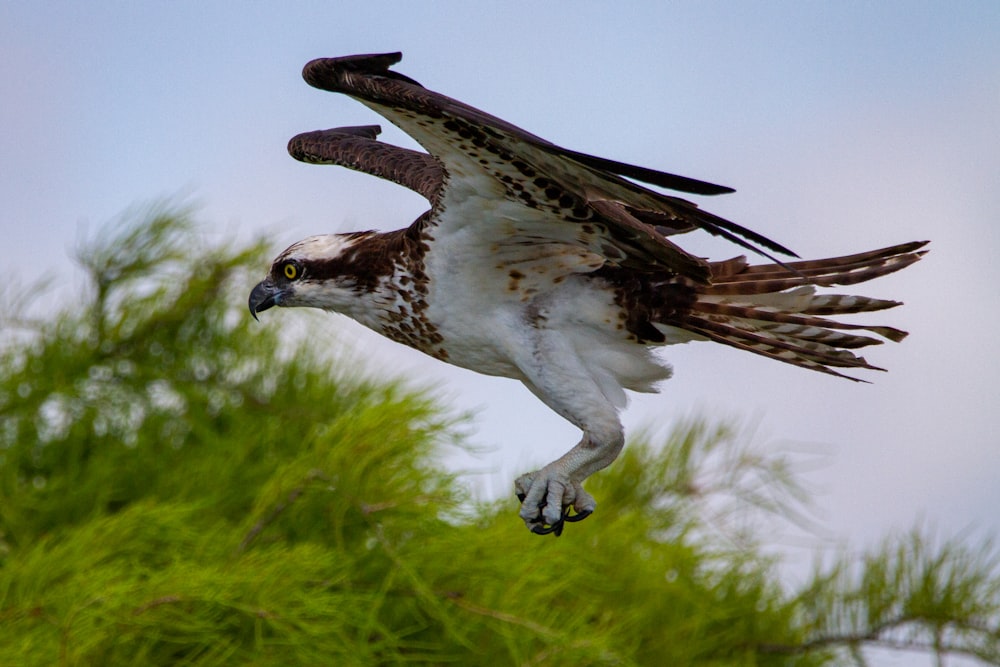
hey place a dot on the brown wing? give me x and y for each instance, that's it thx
(357, 148)
(482, 155)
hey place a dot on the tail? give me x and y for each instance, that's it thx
(773, 310)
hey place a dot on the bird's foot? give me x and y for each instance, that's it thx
(547, 498)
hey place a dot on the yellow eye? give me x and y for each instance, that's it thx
(291, 271)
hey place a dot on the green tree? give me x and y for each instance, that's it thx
(179, 489)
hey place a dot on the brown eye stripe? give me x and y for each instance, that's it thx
(364, 265)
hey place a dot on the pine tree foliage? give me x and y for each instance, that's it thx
(180, 486)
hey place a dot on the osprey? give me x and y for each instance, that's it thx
(555, 268)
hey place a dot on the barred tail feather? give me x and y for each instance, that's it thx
(773, 309)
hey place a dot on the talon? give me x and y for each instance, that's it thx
(579, 516)
(548, 502)
(556, 528)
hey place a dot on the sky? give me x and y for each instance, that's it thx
(843, 126)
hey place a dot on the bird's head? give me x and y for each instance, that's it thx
(320, 272)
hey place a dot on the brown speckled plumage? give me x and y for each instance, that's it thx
(554, 267)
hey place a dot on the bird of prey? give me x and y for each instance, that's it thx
(554, 268)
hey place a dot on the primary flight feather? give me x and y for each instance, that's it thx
(553, 267)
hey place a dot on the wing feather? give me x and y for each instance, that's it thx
(357, 148)
(571, 187)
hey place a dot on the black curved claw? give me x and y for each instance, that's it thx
(557, 527)
(580, 516)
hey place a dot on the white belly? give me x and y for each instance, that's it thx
(497, 334)
(494, 296)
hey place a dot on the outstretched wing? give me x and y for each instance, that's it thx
(524, 189)
(358, 148)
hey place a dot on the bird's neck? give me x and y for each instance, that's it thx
(391, 287)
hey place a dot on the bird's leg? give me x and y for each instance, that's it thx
(555, 373)
(547, 495)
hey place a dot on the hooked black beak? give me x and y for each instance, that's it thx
(263, 297)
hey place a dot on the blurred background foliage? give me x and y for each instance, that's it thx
(179, 486)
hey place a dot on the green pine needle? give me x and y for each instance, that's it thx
(182, 486)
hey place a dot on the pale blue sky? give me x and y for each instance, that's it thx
(844, 126)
